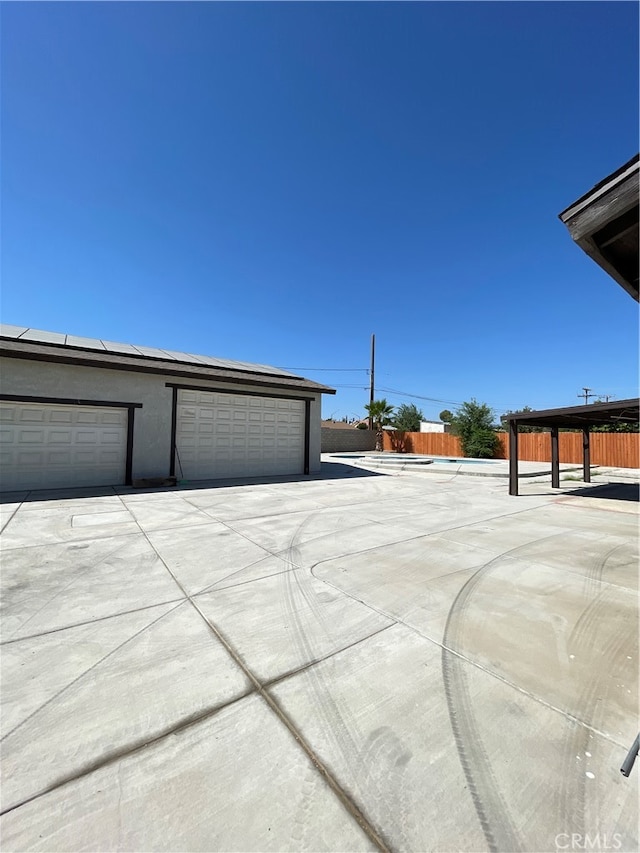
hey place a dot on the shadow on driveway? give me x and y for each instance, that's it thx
(612, 491)
(329, 471)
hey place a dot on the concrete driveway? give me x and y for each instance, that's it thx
(356, 661)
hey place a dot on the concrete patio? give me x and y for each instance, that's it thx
(358, 660)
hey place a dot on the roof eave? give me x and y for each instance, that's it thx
(603, 220)
(13, 348)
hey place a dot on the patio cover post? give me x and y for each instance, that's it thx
(513, 458)
(586, 456)
(555, 459)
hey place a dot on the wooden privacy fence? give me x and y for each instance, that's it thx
(615, 449)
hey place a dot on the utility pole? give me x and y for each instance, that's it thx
(587, 393)
(371, 375)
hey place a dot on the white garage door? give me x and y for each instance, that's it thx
(232, 435)
(50, 446)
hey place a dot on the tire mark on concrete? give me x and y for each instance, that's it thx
(335, 725)
(302, 815)
(383, 761)
(596, 589)
(491, 808)
(362, 758)
(590, 701)
(345, 798)
(572, 719)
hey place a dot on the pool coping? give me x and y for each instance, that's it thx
(466, 468)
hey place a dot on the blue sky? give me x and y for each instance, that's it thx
(275, 182)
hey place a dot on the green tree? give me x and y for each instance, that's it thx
(615, 426)
(473, 424)
(446, 416)
(380, 413)
(407, 418)
(504, 423)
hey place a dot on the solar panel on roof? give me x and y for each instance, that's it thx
(187, 358)
(85, 343)
(123, 349)
(43, 337)
(215, 362)
(150, 352)
(8, 330)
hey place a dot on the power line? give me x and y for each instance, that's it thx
(438, 400)
(396, 392)
(330, 369)
(361, 387)
(419, 396)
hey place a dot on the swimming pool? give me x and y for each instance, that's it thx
(414, 459)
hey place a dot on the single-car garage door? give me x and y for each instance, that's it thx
(50, 446)
(233, 435)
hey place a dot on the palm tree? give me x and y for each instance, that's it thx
(380, 413)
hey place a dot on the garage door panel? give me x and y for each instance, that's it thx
(31, 436)
(59, 457)
(227, 435)
(66, 446)
(88, 437)
(57, 436)
(61, 417)
(109, 436)
(32, 416)
(29, 459)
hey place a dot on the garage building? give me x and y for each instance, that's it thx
(85, 412)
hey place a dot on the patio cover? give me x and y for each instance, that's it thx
(572, 417)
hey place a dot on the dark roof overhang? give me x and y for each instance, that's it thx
(604, 223)
(581, 417)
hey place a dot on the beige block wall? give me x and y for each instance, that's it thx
(336, 440)
(152, 434)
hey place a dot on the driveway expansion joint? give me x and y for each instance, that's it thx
(94, 621)
(347, 801)
(130, 749)
(285, 676)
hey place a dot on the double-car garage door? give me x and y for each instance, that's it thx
(48, 445)
(238, 435)
(217, 434)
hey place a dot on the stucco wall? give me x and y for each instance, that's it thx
(336, 440)
(152, 434)
(431, 426)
